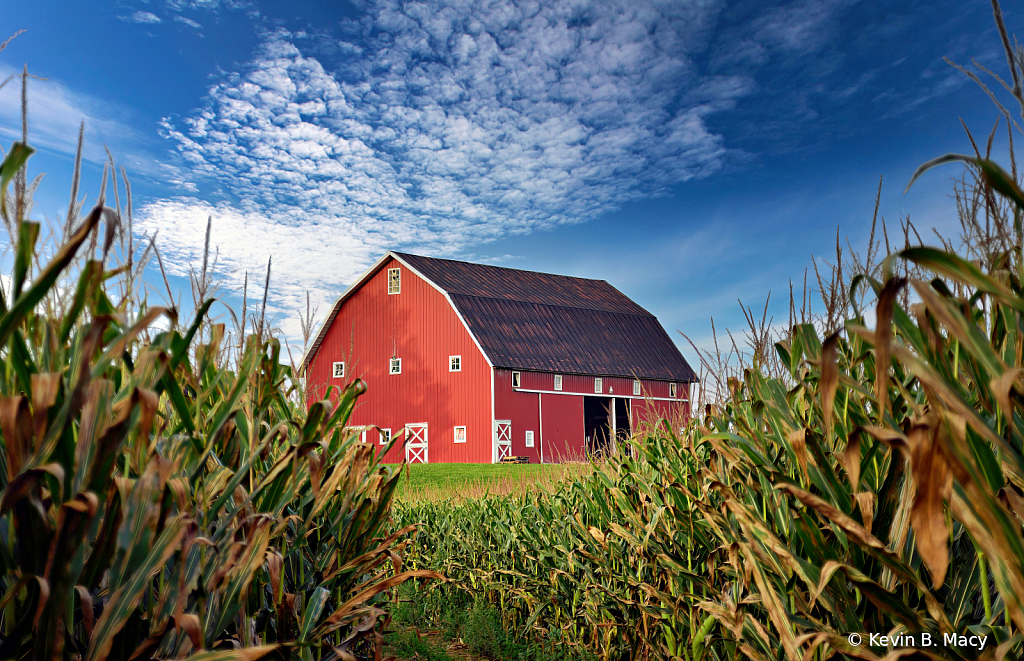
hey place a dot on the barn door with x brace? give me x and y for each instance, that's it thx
(416, 443)
(502, 439)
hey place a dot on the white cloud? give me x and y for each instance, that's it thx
(188, 21)
(144, 17)
(448, 125)
(55, 112)
(800, 27)
(198, 5)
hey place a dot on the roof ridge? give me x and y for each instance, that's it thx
(556, 305)
(504, 268)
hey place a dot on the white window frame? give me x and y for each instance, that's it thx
(455, 363)
(558, 382)
(334, 370)
(598, 385)
(672, 391)
(636, 386)
(517, 379)
(398, 289)
(385, 435)
(392, 363)
(455, 435)
(529, 439)
(362, 436)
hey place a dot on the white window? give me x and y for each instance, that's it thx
(394, 281)
(460, 434)
(672, 390)
(529, 439)
(515, 379)
(339, 370)
(396, 366)
(558, 382)
(598, 385)
(636, 386)
(385, 436)
(454, 363)
(362, 436)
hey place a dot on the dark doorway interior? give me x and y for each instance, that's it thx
(623, 428)
(597, 425)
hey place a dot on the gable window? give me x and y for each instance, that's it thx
(385, 436)
(338, 370)
(460, 434)
(394, 281)
(529, 439)
(672, 390)
(396, 366)
(515, 379)
(636, 386)
(598, 385)
(454, 363)
(558, 382)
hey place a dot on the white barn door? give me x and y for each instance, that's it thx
(502, 439)
(416, 443)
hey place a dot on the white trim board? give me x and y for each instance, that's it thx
(594, 394)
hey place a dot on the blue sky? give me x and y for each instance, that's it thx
(690, 153)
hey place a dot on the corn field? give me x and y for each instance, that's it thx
(155, 501)
(873, 486)
(842, 499)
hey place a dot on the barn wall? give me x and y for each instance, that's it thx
(523, 409)
(420, 327)
(563, 427)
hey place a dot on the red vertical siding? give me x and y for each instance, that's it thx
(523, 409)
(419, 326)
(563, 428)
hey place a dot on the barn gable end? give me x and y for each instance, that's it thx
(420, 327)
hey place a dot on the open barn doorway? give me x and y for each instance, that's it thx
(597, 425)
(623, 423)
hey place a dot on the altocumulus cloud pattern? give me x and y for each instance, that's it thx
(439, 126)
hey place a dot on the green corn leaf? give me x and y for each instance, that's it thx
(311, 615)
(232, 595)
(126, 599)
(994, 175)
(28, 232)
(47, 278)
(12, 163)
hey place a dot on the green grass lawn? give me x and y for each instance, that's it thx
(444, 481)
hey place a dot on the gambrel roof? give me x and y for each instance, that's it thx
(546, 323)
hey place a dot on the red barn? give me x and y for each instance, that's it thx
(476, 363)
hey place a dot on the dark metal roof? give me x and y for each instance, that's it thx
(569, 340)
(555, 323)
(526, 286)
(549, 323)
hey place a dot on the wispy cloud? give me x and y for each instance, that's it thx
(144, 17)
(445, 127)
(55, 112)
(188, 21)
(802, 27)
(197, 5)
